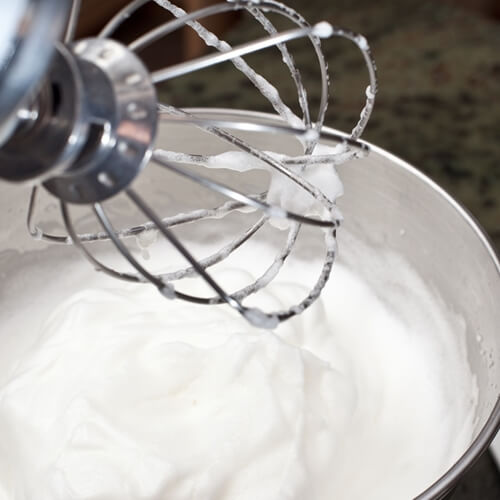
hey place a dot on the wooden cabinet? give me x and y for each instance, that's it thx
(183, 45)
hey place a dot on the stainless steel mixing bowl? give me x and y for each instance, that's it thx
(388, 205)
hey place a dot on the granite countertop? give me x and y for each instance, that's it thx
(439, 74)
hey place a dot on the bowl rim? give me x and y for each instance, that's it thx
(489, 430)
(451, 477)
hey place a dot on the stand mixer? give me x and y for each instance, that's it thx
(88, 111)
(80, 119)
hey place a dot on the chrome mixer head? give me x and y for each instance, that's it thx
(90, 128)
(28, 31)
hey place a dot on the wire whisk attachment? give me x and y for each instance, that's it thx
(112, 135)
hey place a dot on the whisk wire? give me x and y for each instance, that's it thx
(271, 210)
(218, 256)
(120, 17)
(305, 133)
(99, 266)
(186, 218)
(322, 29)
(294, 72)
(150, 214)
(169, 27)
(292, 169)
(255, 8)
(73, 21)
(299, 180)
(263, 85)
(108, 227)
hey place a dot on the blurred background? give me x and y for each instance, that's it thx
(438, 104)
(439, 73)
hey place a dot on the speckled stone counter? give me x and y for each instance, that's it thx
(438, 105)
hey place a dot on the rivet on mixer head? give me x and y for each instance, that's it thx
(126, 149)
(80, 47)
(76, 191)
(133, 79)
(136, 112)
(105, 179)
(123, 147)
(106, 53)
(72, 139)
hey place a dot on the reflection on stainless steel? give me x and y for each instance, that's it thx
(29, 30)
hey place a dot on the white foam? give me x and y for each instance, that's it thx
(125, 395)
(323, 30)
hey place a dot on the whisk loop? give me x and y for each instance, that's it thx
(128, 132)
